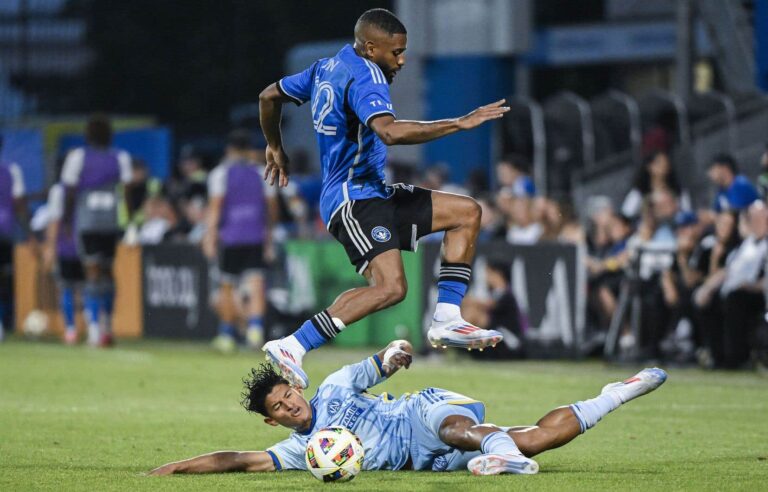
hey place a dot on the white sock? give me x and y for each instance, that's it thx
(294, 345)
(590, 412)
(499, 443)
(445, 312)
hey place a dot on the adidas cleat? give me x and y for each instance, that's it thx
(460, 334)
(288, 363)
(640, 384)
(496, 464)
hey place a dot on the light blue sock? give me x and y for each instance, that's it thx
(590, 412)
(499, 443)
(92, 304)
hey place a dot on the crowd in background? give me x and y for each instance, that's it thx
(696, 276)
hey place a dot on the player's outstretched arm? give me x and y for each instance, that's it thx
(220, 462)
(270, 111)
(405, 132)
(397, 354)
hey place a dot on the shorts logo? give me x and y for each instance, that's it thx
(440, 464)
(334, 406)
(381, 234)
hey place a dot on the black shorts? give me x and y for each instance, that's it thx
(6, 255)
(98, 246)
(71, 270)
(236, 260)
(367, 228)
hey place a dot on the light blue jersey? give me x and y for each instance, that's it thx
(391, 430)
(347, 92)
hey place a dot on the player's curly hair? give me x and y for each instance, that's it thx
(258, 385)
(382, 19)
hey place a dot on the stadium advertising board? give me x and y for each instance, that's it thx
(175, 287)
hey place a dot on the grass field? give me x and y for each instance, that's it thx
(81, 419)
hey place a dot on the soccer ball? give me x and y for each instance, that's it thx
(36, 324)
(334, 454)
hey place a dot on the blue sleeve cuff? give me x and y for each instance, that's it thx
(275, 460)
(377, 363)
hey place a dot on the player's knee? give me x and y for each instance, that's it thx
(472, 212)
(394, 292)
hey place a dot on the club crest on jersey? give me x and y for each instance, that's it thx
(381, 234)
(334, 406)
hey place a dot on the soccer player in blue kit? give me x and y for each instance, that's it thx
(355, 122)
(433, 430)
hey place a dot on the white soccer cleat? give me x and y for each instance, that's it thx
(496, 464)
(288, 361)
(458, 333)
(640, 384)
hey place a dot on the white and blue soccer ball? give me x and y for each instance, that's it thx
(334, 454)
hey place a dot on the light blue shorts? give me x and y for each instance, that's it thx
(431, 406)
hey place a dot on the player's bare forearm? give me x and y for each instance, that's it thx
(220, 462)
(270, 112)
(397, 354)
(406, 132)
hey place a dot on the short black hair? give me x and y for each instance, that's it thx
(240, 139)
(726, 160)
(258, 385)
(517, 161)
(382, 19)
(98, 130)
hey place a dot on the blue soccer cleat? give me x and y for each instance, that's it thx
(289, 363)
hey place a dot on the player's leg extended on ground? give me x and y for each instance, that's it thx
(501, 453)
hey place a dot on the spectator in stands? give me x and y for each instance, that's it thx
(600, 214)
(607, 273)
(190, 174)
(492, 225)
(238, 232)
(499, 312)
(734, 190)
(513, 171)
(656, 174)
(742, 289)
(131, 205)
(90, 176)
(160, 221)
(13, 206)
(558, 221)
(517, 205)
(762, 180)
(195, 214)
(716, 248)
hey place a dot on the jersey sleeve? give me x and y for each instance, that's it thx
(369, 94)
(297, 87)
(358, 377)
(288, 455)
(17, 189)
(126, 166)
(56, 202)
(217, 182)
(73, 166)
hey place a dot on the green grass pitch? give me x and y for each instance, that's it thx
(81, 419)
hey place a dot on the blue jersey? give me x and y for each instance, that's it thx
(738, 196)
(347, 92)
(391, 430)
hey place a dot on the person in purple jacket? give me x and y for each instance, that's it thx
(239, 235)
(90, 176)
(12, 207)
